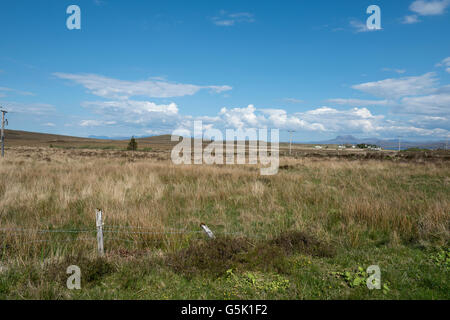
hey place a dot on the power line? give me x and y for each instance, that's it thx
(3, 131)
(290, 140)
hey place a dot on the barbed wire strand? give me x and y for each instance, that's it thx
(47, 230)
(113, 229)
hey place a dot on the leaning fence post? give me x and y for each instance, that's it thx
(99, 224)
(207, 230)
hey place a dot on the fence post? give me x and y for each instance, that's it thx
(207, 230)
(99, 224)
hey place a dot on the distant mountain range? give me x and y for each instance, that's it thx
(385, 143)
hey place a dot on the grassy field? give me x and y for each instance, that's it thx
(308, 232)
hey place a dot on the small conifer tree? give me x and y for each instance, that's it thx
(132, 145)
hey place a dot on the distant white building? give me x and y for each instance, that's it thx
(318, 147)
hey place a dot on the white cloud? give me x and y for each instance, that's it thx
(445, 63)
(327, 120)
(293, 100)
(430, 122)
(150, 118)
(132, 106)
(222, 22)
(399, 71)
(225, 19)
(425, 8)
(397, 88)
(120, 89)
(409, 95)
(96, 123)
(240, 117)
(30, 108)
(405, 130)
(356, 120)
(429, 8)
(49, 124)
(417, 95)
(323, 119)
(14, 91)
(358, 26)
(362, 121)
(250, 117)
(360, 102)
(411, 19)
(134, 112)
(141, 114)
(436, 104)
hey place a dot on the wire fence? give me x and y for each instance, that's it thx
(109, 233)
(18, 231)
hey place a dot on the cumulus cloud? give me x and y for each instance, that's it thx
(153, 118)
(418, 95)
(325, 120)
(137, 114)
(250, 117)
(417, 100)
(357, 120)
(120, 89)
(241, 117)
(409, 95)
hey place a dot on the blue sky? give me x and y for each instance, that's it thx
(150, 67)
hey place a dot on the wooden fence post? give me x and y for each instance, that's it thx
(99, 224)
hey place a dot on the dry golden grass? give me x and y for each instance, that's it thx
(347, 203)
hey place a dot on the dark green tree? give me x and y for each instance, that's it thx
(132, 145)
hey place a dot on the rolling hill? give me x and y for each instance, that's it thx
(26, 138)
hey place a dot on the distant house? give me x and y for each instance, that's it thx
(318, 147)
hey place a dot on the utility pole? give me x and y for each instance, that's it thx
(3, 131)
(290, 140)
(399, 145)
